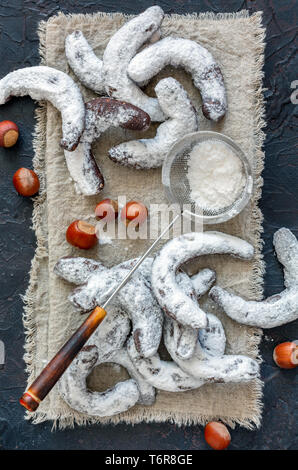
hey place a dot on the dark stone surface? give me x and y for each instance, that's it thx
(19, 48)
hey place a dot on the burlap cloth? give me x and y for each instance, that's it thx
(237, 43)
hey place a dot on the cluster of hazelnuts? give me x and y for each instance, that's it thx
(79, 233)
(25, 181)
(83, 235)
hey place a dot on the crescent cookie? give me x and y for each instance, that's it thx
(73, 389)
(119, 51)
(186, 337)
(101, 114)
(276, 310)
(105, 346)
(209, 363)
(195, 59)
(163, 375)
(46, 83)
(178, 251)
(181, 120)
(135, 298)
(84, 63)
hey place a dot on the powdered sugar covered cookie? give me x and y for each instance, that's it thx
(209, 363)
(72, 388)
(85, 64)
(78, 271)
(185, 337)
(46, 83)
(179, 250)
(101, 114)
(163, 375)
(105, 346)
(195, 59)
(276, 310)
(182, 119)
(136, 298)
(121, 48)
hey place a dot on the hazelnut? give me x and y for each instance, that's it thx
(9, 133)
(81, 234)
(285, 355)
(107, 209)
(217, 435)
(26, 182)
(135, 211)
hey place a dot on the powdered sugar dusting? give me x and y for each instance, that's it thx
(164, 375)
(209, 363)
(135, 298)
(85, 64)
(76, 272)
(184, 336)
(101, 114)
(182, 119)
(121, 48)
(273, 311)
(195, 59)
(215, 175)
(104, 346)
(180, 250)
(46, 83)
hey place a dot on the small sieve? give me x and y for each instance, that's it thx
(175, 181)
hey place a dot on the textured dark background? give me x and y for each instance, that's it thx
(19, 48)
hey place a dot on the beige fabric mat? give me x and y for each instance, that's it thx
(237, 42)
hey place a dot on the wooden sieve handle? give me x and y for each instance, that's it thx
(57, 366)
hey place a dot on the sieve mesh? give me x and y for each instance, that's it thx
(177, 186)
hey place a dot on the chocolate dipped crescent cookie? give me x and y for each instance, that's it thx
(179, 250)
(121, 48)
(276, 310)
(101, 114)
(107, 345)
(195, 59)
(181, 119)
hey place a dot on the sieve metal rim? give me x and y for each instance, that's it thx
(189, 141)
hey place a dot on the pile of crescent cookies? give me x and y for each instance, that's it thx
(160, 302)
